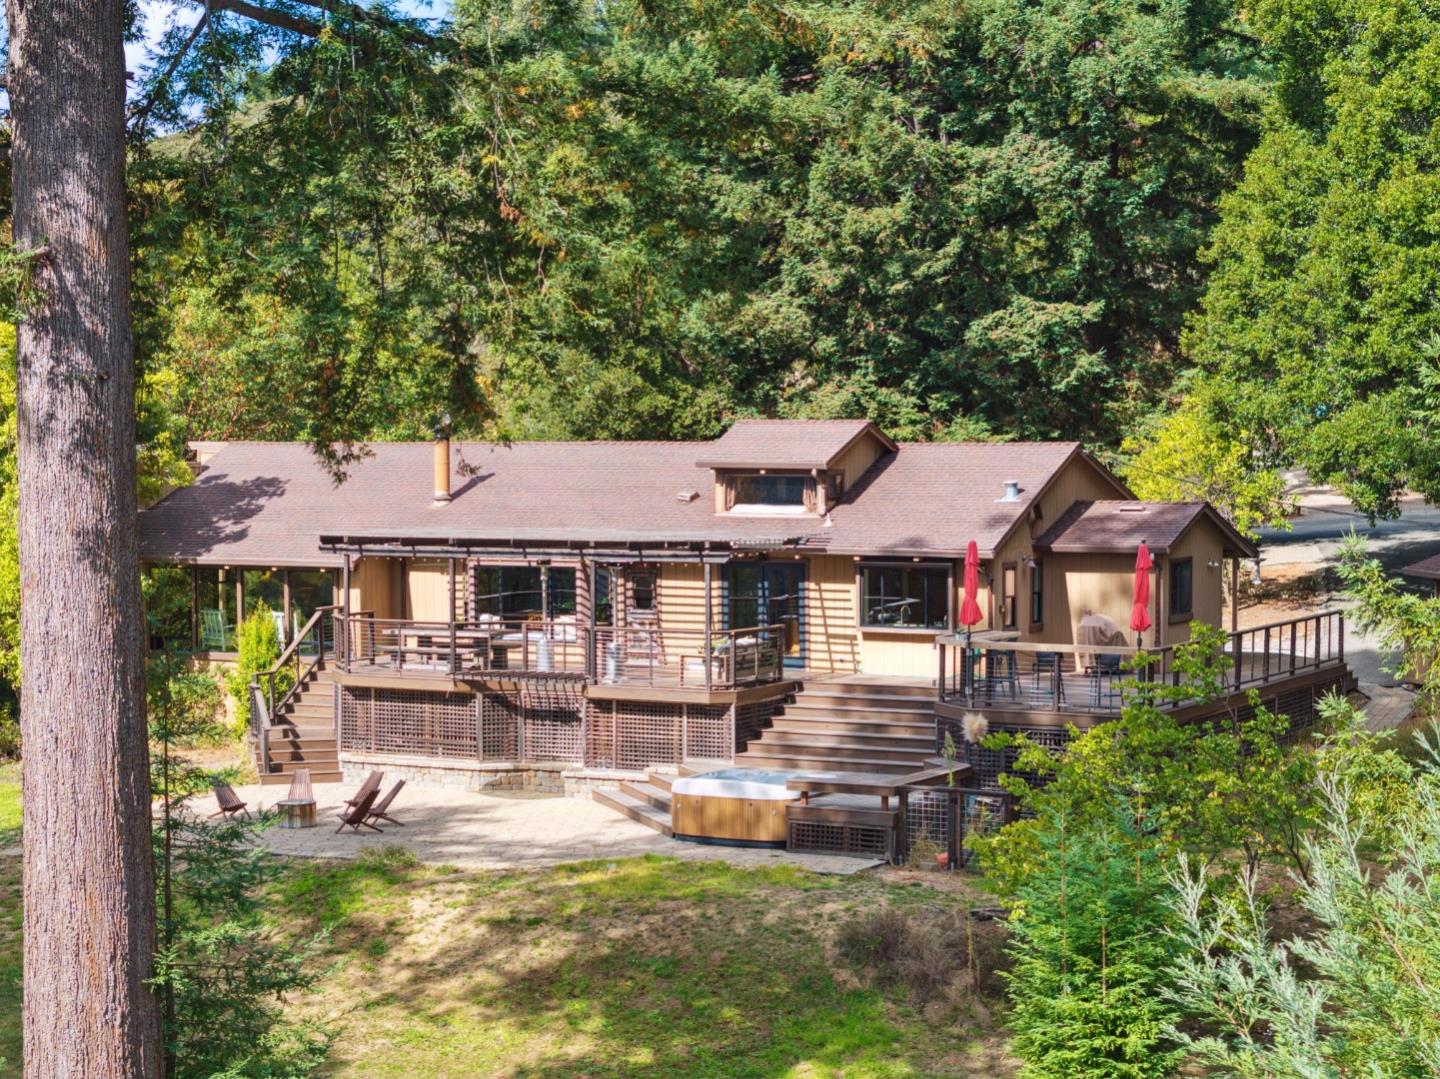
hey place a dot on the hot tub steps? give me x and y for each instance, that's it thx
(651, 793)
(642, 812)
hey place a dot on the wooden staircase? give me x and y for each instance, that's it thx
(877, 726)
(302, 733)
(646, 801)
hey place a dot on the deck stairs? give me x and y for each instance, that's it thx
(647, 801)
(849, 726)
(302, 734)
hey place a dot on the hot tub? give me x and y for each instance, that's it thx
(733, 805)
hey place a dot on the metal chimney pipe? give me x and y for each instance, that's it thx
(442, 469)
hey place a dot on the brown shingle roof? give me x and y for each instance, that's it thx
(1115, 526)
(786, 443)
(1428, 568)
(257, 503)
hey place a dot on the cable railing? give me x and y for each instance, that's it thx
(999, 671)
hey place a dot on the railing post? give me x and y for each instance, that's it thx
(1292, 647)
(1237, 647)
(1265, 666)
(1340, 627)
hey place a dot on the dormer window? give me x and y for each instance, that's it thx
(762, 492)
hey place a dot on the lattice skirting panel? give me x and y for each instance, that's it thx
(634, 735)
(862, 840)
(408, 721)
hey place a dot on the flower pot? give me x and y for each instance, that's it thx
(942, 859)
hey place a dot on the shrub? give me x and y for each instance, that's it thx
(923, 952)
(1089, 953)
(9, 731)
(258, 647)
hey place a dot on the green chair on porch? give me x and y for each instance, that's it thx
(215, 634)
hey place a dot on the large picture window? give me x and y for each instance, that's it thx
(905, 597)
(523, 591)
(770, 494)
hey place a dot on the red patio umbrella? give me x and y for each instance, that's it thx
(969, 609)
(1140, 610)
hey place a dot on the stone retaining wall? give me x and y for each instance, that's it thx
(541, 777)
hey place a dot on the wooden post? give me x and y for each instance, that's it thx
(452, 617)
(902, 829)
(285, 605)
(239, 603)
(343, 647)
(194, 607)
(1234, 595)
(952, 836)
(709, 602)
(591, 576)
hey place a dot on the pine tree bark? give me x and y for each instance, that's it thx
(89, 894)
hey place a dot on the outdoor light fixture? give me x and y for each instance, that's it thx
(1213, 564)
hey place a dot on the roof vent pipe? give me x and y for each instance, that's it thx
(1012, 492)
(442, 464)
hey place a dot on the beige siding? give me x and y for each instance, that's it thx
(375, 587)
(1081, 584)
(427, 591)
(1202, 544)
(856, 460)
(830, 612)
(1078, 481)
(909, 654)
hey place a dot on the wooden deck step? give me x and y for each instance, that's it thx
(923, 744)
(632, 807)
(842, 704)
(662, 779)
(871, 689)
(282, 779)
(779, 759)
(818, 724)
(697, 766)
(655, 795)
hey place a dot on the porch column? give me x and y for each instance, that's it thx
(239, 602)
(1235, 594)
(285, 605)
(452, 616)
(709, 600)
(194, 608)
(343, 646)
(590, 623)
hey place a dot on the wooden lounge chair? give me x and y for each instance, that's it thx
(215, 634)
(370, 786)
(300, 789)
(354, 818)
(228, 801)
(380, 812)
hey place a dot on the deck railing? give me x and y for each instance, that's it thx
(644, 654)
(994, 672)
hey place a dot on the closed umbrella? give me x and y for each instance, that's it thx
(1140, 610)
(969, 608)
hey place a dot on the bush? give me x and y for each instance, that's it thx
(9, 731)
(924, 953)
(258, 645)
(1089, 948)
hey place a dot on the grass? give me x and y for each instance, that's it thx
(638, 968)
(9, 804)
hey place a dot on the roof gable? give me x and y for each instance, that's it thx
(800, 444)
(1116, 526)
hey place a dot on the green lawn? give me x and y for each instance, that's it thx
(9, 805)
(635, 968)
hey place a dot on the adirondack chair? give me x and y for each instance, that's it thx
(370, 786)
(215, 634)
(228, 801)
(380, 812)
(300, 790)
(354, 818)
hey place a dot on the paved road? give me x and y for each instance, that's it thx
(1315, 538)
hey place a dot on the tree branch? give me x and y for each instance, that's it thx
(141, 113)
(343, 9)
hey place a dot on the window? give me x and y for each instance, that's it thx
(604, 590)
(1037, 592)
(770, 494)
(905, 597)
(264, 588)
(1009, 601)
(1182, 589)
(642, 592)
(522, 591)
(217, 608)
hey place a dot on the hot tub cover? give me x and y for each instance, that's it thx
(753, 783)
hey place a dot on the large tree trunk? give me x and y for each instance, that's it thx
(89, 879)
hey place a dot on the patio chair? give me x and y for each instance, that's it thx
(300, 789)
(228, 801)
(215, 634)
(1106, 669)
(370, 786)
(382, 807)
(354, 818)
(1000, 670)
(1049, 664)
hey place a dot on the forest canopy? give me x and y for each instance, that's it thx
(640, 220)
